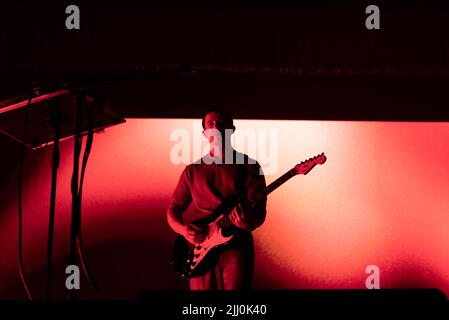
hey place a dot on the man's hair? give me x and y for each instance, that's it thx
(220, 110)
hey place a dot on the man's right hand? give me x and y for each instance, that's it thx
(194, 234)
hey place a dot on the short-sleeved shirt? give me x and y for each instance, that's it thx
(205, 184)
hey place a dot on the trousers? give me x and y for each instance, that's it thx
(233, 270)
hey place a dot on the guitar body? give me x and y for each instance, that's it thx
(190, 260)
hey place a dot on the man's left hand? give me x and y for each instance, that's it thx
(238, 219)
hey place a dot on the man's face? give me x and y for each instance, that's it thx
(216, 121)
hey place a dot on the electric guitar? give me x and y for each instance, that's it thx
(191, 260)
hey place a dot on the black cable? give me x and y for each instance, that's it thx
(78, 189)
(55, 165)
(88, 148)
(74, 187)
(86, 269)
(83, 166)
(20, 209)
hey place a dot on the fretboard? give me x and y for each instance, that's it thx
(225, 222)
(278, 182)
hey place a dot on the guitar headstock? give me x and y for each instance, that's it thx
(307, 165)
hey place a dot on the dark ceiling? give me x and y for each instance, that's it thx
(294, 61)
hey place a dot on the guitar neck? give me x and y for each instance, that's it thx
(225, 221)
(278, 182)
(274, 185)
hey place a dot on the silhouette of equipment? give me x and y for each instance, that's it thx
(47, 117)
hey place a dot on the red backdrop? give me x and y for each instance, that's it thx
(382, 199)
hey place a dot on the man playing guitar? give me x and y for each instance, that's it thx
(205, 185)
